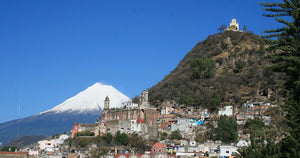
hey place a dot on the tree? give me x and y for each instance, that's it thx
(214, 102)
(227, 130)
(122, 138)
(135, 99)
(108, 138)
(285, 41)
(137, 143)
(200, 138)
(222, 28)
(9, 148)
(175, 135)
(244, 28)
(256, 129)
(163, 135)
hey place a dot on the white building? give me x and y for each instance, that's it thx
(204, 114)
(227, 110)
(61, 139)
(203, 148)
(43, 144)
(226, 150)
(243, 143)
(138, 125)
(183, 125)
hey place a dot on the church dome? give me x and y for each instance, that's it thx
(158, 148)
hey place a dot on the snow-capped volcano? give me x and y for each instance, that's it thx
(92, 99)
(85, 107)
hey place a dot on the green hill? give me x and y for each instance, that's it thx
(224, 69)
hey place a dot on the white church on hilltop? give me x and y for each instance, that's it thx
(234, 26)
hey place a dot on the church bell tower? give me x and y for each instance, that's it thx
(106, 103)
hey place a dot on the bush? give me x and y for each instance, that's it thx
(83, 142)
(85, 133)
(202, 67)
(239, 65)
(175, 135)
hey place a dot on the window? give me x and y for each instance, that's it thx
(154, 149)
(159, 149)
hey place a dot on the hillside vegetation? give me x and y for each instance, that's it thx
(225, 69)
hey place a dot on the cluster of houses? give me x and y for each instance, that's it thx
(44, 148)
(148, 121)
(180, 148)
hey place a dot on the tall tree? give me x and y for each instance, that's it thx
(285, 41)
(108, 138)
(122, 138)
(244, 28)
(227, 130)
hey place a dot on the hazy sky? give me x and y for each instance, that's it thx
(53, 49)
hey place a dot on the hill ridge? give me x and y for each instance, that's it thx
(225, 68)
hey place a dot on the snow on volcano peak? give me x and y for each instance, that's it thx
(92, 99)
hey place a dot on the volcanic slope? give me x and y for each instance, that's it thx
(85, 107)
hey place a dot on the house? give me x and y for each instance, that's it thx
(167, 108)
(253, 104)
(204, 114)
(243, 143)
(226, 150)
(227, 110)
(43, 144)
(182, 124)
(184, 143)
(185, 154)
(242, 118)
(132, 156)
(203, 148)
(60, 139)
(100, 129)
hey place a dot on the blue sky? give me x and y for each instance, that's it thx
(53, 49)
